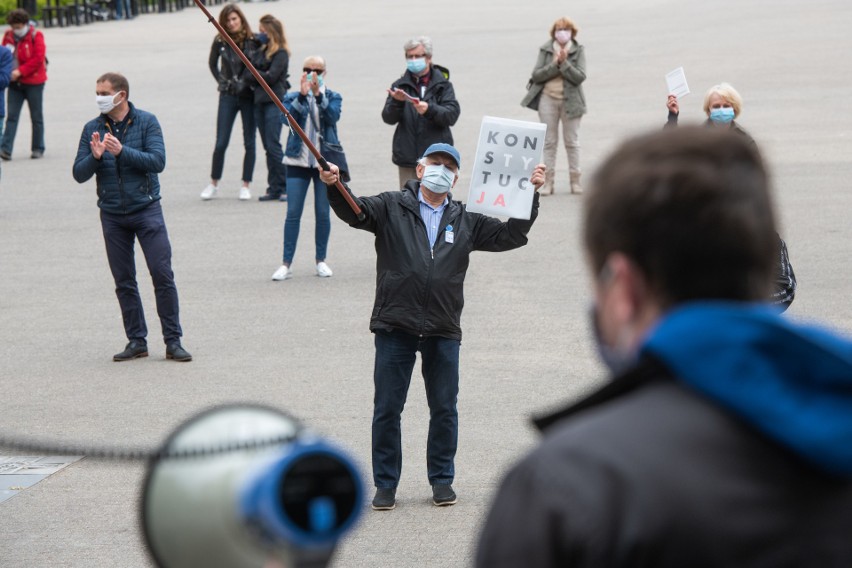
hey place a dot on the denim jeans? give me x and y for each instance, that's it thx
(395, 355)
(149, 227)
(229, 107)
(298, 182)
(267, 116)
(34, 95)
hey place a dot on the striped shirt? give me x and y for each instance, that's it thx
(431, 218)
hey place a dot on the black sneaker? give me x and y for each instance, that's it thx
(134, 350)
(178, 353)
(385, 499)
(443, 495)
(269, 197)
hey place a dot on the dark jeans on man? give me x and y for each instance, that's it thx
(149, 227)
(34, 95)
(229, 107)
(395, 357)
(267, 116)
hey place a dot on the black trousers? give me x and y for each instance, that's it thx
(120, 233)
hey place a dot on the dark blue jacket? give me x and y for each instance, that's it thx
(129, 182)
(330, 106)
(5, 77)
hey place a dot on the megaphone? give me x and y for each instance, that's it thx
(242, 502)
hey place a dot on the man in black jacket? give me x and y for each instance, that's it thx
(423, 245)
(422, 104)
(725, 437)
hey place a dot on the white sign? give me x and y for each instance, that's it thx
(507, 153)
(676, 83)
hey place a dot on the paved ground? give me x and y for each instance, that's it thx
(303, 345)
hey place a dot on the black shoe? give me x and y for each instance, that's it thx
(134, 350)
(269, 197)
(36, 154)
(385, 499)
(5, 155)
(178, 353)
(443, 495)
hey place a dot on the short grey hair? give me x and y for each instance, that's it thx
(425, 41)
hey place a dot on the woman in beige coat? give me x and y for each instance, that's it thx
(555, 90)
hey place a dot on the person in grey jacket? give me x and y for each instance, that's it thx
(723, 438)
(423, 244)
(555, 90)
(123, 148)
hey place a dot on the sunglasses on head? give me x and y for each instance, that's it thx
(309, 70)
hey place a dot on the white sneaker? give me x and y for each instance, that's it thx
(283, 273)
(323, 270)
(209, 192)
(245, 194)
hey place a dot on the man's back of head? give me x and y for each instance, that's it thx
(691, 207)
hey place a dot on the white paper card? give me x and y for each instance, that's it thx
(506, 155)
(676, 83)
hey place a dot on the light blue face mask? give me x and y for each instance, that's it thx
(617, 361)
(722, 115)
(310, 79)
(438, 178)
(416, 65)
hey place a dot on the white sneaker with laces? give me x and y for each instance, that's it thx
(245, 194)
(283, 273)
(323, 270)
(209, 192)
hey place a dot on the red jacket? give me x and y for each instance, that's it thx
(30, 54)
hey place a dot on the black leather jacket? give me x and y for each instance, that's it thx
(420, 290)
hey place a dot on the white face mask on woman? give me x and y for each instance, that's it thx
(106, 102)
(20, 32)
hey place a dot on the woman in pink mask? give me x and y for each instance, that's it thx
(555, 90)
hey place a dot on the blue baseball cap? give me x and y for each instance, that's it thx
(443, 148)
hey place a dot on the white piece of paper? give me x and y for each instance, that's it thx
(676, 83)
(506, 155)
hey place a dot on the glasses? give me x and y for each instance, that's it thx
(414, 55)
(309, 70)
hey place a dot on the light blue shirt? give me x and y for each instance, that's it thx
(431, 217)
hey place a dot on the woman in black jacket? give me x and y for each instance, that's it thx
(272, 63)
(235, 97)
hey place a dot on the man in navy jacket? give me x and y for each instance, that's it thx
(123, 148)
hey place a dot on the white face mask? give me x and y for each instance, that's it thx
(438, 178)
(19, 33)
(106, 102)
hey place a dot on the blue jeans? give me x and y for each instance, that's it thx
(395, 355)
(229, 107)
(149, 227)
(34, 95)
(267, 116)
(298, 182)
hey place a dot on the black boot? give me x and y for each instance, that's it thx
(135, 349)
(178, 353)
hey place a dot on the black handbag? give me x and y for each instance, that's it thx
(332, 152)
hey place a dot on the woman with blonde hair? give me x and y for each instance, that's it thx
(722, 104)
(235, 97)
(272, 62)
(555, 90)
